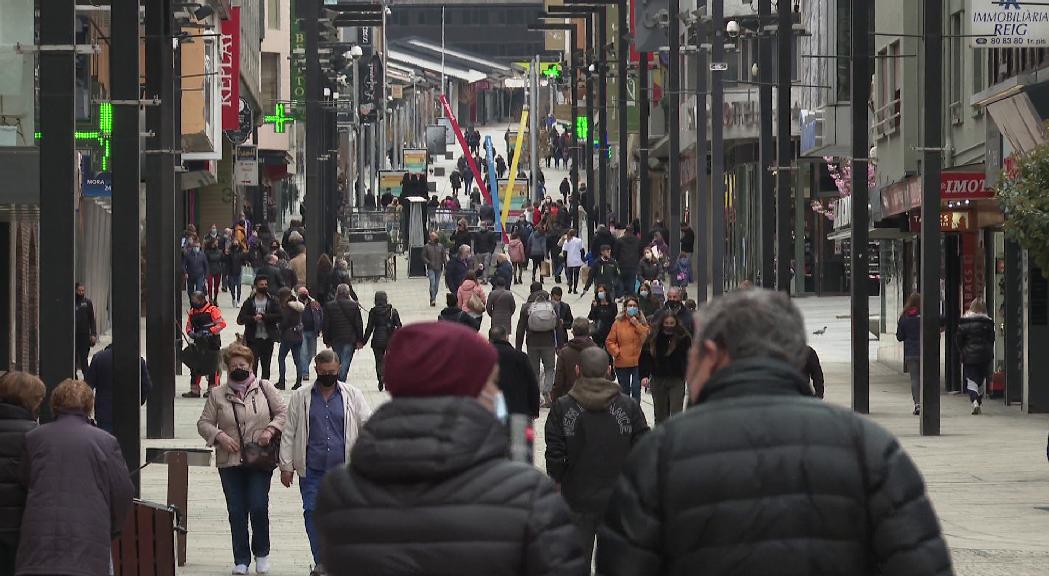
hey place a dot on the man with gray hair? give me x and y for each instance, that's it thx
(674, 306)
(589, 433)
(759, 477)
(457, 268)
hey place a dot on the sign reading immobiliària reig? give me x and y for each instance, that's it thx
(1009, 24)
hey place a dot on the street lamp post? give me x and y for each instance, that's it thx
(860, 306)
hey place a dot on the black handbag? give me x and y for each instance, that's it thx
(254, 455)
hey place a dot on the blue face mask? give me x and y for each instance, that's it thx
(644, 293)
(601, 296)
(501, 412)
(631, 310)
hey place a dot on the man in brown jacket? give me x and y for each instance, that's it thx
(568, 358)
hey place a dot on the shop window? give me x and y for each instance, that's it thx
(273, 14)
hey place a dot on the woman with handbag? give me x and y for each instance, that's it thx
(243, 419)
(624, 344)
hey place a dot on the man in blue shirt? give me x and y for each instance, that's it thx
(324, 421)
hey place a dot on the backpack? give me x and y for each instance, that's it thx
(542, 317)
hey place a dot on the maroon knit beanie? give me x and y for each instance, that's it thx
(437, 359)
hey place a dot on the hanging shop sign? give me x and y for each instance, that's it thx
(229, 69)
(245, 124)
(1009, 24)
(907, 195)
(246, 169)
(298, 65)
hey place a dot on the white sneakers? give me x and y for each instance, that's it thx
(240, 569)
(262, 564)
(976, 407)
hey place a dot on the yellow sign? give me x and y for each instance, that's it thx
(513, 167)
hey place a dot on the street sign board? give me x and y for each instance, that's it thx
(718, 66)
(246, 170)
(1009, 24)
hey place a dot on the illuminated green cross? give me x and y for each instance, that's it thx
(102, 135)
(581, 127)
(278, 118)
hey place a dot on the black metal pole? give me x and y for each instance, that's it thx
(643, 184)
(126, 293)
(860, 312)
(602, 126)
(162, 324)
(766, 153)
(717, 156)
(315, 186)
(785, 155)
(673, 216)
(573, 173)
(593, 216)
(701, 203)
(622, 56)
(930, 226)
(57, 186)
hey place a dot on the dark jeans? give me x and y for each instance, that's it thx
(263, 350)
(247, 496)
(345, 354)
(628, 278)
(573, 278)
(975, 380)
(630, 382)
(309, 485)
(295, 349)
(380, 355)
(194, 285)
(233, 283)
(586, 525)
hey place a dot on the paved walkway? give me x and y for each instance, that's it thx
(986, 474)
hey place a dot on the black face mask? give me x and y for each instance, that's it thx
(327, 380)
(239, 375)
(304, 299)
(673, 305)
(197, 305)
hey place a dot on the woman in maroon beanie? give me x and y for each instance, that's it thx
(429, 476)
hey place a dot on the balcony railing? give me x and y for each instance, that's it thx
(887, 118)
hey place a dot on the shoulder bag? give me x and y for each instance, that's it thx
(252, 454)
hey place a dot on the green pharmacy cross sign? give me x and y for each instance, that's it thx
(581, 128)
(102, 134)
(278, 118)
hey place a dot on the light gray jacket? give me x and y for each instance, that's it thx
(297, 429)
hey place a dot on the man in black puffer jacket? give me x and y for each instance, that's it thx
(429, 488)
(758, 477)
(589, 434)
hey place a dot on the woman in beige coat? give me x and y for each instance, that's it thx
(260, 411)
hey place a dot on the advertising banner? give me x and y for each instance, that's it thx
(229, 69)
(415, 160)
(1009, 24)
(518, 196)
(298, 65)
(390, 181)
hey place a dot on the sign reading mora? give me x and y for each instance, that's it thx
(1009, 24)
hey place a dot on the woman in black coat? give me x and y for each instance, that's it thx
(383, 320)
(20, 396)
(664, 360)
(975, 341)
(602, 314)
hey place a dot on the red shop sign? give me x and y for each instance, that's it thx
(229, 70)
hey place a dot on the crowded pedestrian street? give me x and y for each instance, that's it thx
(523, 288)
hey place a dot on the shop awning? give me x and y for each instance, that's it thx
(1019, 121)
(469, 76)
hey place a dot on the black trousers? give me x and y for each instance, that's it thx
(380, 355)
(83, 349)
(263, 350)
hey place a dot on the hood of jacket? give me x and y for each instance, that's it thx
(411, 440)
(594, 393)
(468, 286)
(974, 316)
(755, 377)
(580, 343)
(451, 314)
(296, 305)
